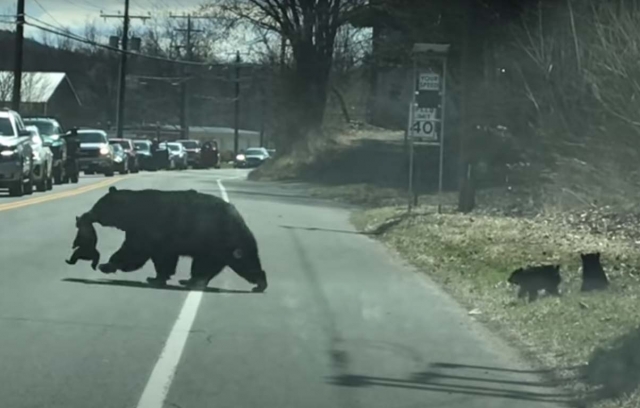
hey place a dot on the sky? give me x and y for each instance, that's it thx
(76, 14)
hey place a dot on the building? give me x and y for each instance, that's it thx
(43, 93)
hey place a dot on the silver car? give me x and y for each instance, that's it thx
(178, 158)
(42, 160)
(16, 154)
(96, 154)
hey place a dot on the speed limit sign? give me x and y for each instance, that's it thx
(424, 129)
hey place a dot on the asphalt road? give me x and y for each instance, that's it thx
(343, 323)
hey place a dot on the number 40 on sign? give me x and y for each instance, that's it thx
(424, 129)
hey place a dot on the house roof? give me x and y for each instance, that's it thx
(37, 87)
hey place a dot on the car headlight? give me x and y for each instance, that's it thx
(104, 150)
(240, 157)
(7, 153)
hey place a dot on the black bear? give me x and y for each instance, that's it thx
(164, 225)
(593, 276)
(84, 244)
(535, 278)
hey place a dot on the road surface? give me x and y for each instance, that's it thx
(342, 324)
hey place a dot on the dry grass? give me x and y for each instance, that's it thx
(471, 256)
(586, 200)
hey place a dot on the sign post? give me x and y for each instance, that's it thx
(427, 108)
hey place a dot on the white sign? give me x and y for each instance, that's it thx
(425, 114)
(424, 129)
(429, 81)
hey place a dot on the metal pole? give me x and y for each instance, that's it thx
(442, 121)
(236, 113)
(123, 73)
(17, 64)
(410, 169)
(184, 105)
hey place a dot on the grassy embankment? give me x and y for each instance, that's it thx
(592, 341)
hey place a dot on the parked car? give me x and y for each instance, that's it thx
(42, 160)
(95, 154)
(193, 148)
(64, 167)
(129, 149)
(144, 154)
(120, 159)
(16, 154)
(252, 157)
(178, 158)
(209, 155)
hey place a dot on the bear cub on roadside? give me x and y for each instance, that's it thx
(84, 244)
(535, 278)
(593, 275)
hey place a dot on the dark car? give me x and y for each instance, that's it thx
(129, 149)
(209, 155)
(64, 166)
(160, 156)
(144, 154)
(252, 157)
(193, 149)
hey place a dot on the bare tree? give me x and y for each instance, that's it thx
(310, 28)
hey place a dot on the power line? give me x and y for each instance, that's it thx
(48, 14)
(133, 53)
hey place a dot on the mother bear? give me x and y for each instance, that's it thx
(164, 225)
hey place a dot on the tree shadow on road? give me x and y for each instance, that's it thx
(144, 285)
(519, 385)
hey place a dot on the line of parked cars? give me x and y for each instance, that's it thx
(35, 153)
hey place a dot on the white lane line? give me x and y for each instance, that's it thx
(223, 191)
(157, 388)
(162, 375)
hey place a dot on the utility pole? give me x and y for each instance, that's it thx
(263, 108)
(236, 111)
(184, 85)
(467, 193)
(123, 65)
(17, 64)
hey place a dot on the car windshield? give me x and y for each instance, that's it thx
(45, 127)
(91, 137)
(5, 127)
(189, 144)
(123, 143)
(174, 147)
(256, 151)
(141, 146)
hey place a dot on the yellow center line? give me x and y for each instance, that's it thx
(62, 194)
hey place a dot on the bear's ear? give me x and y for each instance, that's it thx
(237, 253)
(112, 189)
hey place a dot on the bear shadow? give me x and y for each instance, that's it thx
(144, 285)
(614, 370)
